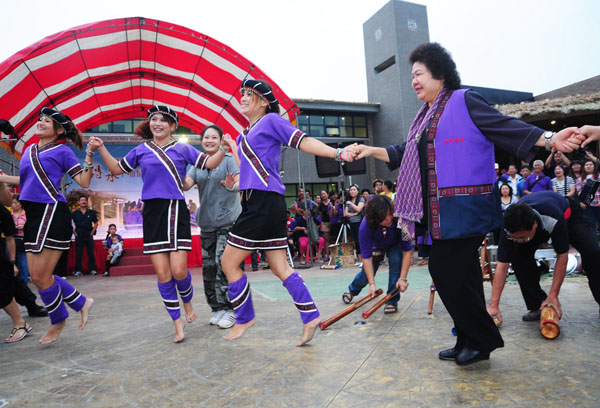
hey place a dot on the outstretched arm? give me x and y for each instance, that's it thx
(318, 148)
(379, 153)
(111, 163)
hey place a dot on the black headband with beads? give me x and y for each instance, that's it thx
(63, 120)
(259, 89)
(164, 110)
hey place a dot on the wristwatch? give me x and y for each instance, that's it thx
(548, 138)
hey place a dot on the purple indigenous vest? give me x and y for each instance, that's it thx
(463, 202)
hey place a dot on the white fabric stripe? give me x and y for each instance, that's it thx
(56, 298)
(266, 184)
(176, 221)
(127, 164)
(167, 167)
(305, 303)
(157, 243)
(241, 293)
(51, 247)
(57, 241)
(74, 300)
(253, 240)
(18, 74)
(248, 249)
(293, 135)
(49, 223)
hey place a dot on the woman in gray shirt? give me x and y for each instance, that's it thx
(219, 208)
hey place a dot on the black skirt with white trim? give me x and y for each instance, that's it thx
(47, 226)
(166, 225)
(262, 223)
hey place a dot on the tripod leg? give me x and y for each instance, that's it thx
(290, 256)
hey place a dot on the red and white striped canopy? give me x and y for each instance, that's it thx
(117, 69)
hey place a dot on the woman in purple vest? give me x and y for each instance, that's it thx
(446, 183)
(262, 223)
(47, 231)
(166, 219)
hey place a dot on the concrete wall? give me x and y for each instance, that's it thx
(393, 32)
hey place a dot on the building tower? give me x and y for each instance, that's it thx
(389, 36)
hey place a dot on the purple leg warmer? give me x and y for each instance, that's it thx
(304, 302)
(74, 299)
(53, 300)
(185, 288)
(168, 292)
(241, 300)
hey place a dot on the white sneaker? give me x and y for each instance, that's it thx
(215, 317)
(227, 321)
(93, 273)
(78, 273)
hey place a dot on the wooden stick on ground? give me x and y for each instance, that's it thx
(349, 309)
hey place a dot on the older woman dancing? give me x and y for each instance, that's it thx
(446, 183)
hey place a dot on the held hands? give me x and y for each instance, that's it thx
(363, 151)
(350, 152)
(591, 133)
(228, 142)
(568, 139)
(94, 143)
(402, 285)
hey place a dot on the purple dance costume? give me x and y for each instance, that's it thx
(48, 218)
(166, 219)
(262, 223)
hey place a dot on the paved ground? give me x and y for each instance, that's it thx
(125, 358)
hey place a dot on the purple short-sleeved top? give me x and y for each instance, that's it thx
(40, 180)
(260, 150)
(163, 167)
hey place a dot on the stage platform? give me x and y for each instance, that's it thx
(125, 356)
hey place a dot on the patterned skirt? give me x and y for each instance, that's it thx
(262, 223)
(166, 225)
(47, 226)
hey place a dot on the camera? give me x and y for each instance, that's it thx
(6, 127)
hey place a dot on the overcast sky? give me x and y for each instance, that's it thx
(314, 48)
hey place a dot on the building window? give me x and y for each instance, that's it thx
(127, 126)
(342, 125)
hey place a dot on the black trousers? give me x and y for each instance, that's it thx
(84, 240)
(582, 237)
(455, 270)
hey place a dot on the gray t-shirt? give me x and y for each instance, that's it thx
(356, 218)
(218, 207)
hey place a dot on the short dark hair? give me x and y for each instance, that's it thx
(519, 217)
(377, 181)
(510, 189)
(377, 209)
(525, 166)
(143, 129)
(389, 185)
(363, 191)
(439, 62)
(215, 127)
(82, 196)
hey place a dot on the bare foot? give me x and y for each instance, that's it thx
(309, 331)
(52, 333)
(190, 316)
(238, 330)
(179, 326)
(85, 312)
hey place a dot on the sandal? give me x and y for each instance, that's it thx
(347, 298)
(389, 309)
(24, 332)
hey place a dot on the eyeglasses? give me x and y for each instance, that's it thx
(520, 240)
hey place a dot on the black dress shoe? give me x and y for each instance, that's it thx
(532, 315)
(449, 355)
(468, 356)
(37, 311)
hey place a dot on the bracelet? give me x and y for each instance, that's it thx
(87, 164)
(88, 151)
(223, 149)
(234, 189)
(338, 154)
(404, 279)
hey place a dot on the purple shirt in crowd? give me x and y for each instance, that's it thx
(382, 238)
(56, 160)
(544, 183)
(261, 150)
(160, 179)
